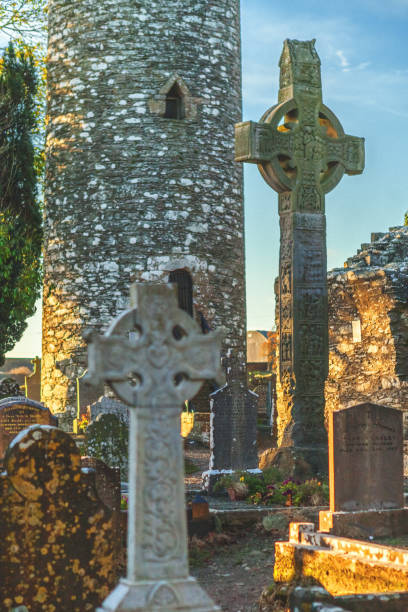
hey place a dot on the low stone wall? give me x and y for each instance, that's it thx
(368, 325)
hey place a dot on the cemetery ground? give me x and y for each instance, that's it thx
(234, 562)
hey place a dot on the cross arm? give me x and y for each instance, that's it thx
(260, 142)
(348, 151)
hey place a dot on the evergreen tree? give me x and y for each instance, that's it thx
(20, 214)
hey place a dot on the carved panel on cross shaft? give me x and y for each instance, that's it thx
(309, 199)
(311, 375)
(311, 339)
(285, 223)
(286, 347)
(160, 528)
(286, 278)
(310, 303)
(313, 266)
(285, 320)
(286, 249)
(285, 200)
(309, 222)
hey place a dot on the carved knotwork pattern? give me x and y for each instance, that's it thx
(161, 537)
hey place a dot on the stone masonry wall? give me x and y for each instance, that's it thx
(371, 290)
(130, 194)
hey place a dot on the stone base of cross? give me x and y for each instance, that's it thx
(168, 595)
(155, 357)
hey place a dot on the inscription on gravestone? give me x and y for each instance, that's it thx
(366, 458)
(18, 413)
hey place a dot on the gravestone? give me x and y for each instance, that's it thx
(366, 472)
(107, 486)
(33, 382)
(107, 439)
(232, 441)
(18, 413)
(154, 372)
(108, 405)
(366, 458)
(9, 387)
(56, 547)
(302, 152)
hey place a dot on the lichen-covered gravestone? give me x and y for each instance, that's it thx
(154, 371)
(56, 547)
(302, 152)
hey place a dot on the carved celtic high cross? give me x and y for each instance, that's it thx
(302, 152)
(155, 357)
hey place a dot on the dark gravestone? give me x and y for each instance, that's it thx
(56, 548)
(366, 458)
(18, 413)
(107, 485)
(107, 438)
(107, 405)
(10, 388)
(232, 440)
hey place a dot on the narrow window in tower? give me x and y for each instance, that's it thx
(174, 103)
(184, 284)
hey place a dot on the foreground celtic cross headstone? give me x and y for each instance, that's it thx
(302, 152)
(154, 370)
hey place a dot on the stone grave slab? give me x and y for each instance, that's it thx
(56, 546)
(226, 454)
(107, 485)
(108, 405)
(343, 566)
(18, 413)
(366, 472)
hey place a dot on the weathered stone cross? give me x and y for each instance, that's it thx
(155, 357)
(302, 152)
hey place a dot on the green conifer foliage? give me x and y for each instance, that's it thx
(20, 214)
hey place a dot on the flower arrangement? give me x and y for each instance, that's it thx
(83, 423)
(124, 502)
(269, 489)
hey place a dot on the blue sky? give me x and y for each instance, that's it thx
(363, 49)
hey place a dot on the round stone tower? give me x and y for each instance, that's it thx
(141, 183)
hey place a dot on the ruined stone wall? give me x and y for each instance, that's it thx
(130, 194)
(372, 291)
